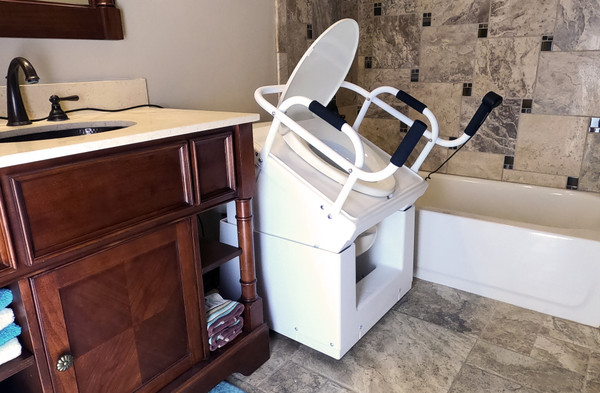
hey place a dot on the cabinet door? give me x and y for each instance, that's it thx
(128, 315)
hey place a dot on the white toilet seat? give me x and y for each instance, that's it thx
(342, 145)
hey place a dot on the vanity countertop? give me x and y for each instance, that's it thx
(151, 124)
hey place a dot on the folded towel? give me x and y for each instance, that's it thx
(6, 297)
(221, 312)
(6, 317)
(9, 332)
(226, 335)
(10, 350)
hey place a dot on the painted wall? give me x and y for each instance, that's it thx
(542, 56)
(196, 54)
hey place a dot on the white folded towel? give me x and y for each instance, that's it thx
(10, 350)
(7, 316)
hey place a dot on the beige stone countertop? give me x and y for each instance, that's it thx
(150, 124)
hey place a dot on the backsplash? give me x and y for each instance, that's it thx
(542, 56)
(115, 94)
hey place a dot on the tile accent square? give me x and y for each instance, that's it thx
(572, 183)
(509, 161)
(377, 9)
(595, 124)
(467, 89)
(546, 43)
(526, 105)
(482, 31)
(427, 19)
(414, 75)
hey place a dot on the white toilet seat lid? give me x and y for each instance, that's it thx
(318, 76)
(323, 67)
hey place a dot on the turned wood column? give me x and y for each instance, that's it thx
(253, 313)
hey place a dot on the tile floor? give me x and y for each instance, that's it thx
(439, 339)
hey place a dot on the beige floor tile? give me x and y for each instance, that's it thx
(585, 336)
(448, 307)
(471, 380)
(561, 353)
(293, 378)
(399, 354)
(532, 373)
(513, 328)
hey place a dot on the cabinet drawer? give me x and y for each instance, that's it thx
(59, 207)
(214, 167)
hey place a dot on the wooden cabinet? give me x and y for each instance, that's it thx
(121, 314)
(109, 266)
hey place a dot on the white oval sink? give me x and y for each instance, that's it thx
(54, 131)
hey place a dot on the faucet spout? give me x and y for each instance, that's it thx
(17, 115)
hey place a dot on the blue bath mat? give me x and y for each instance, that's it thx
(226, 387)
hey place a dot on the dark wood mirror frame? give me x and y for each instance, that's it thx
(100, 20)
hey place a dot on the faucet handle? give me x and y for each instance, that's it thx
(57, 113)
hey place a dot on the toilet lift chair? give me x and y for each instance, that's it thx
(334, 236)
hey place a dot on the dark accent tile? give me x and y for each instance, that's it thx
(467, 89)
(547, 43)
(414, 75)
(403, 127)
(377, 9)
(309, 31)
(482, 31)
(368, 62)
(595, 124)
(526, 105)
(572, 183)
(427, 19)
(509, 161)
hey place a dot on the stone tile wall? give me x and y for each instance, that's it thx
(542, 56)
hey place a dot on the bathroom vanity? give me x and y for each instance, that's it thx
(101, 244)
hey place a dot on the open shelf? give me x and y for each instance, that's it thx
(16, 365)
(213, 254)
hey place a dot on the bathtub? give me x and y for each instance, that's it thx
(534, 247)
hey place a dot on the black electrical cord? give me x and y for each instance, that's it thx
(99, 110)
(445, 161)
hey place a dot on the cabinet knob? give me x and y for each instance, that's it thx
(64, 362)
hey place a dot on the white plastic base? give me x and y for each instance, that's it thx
(312, 295)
